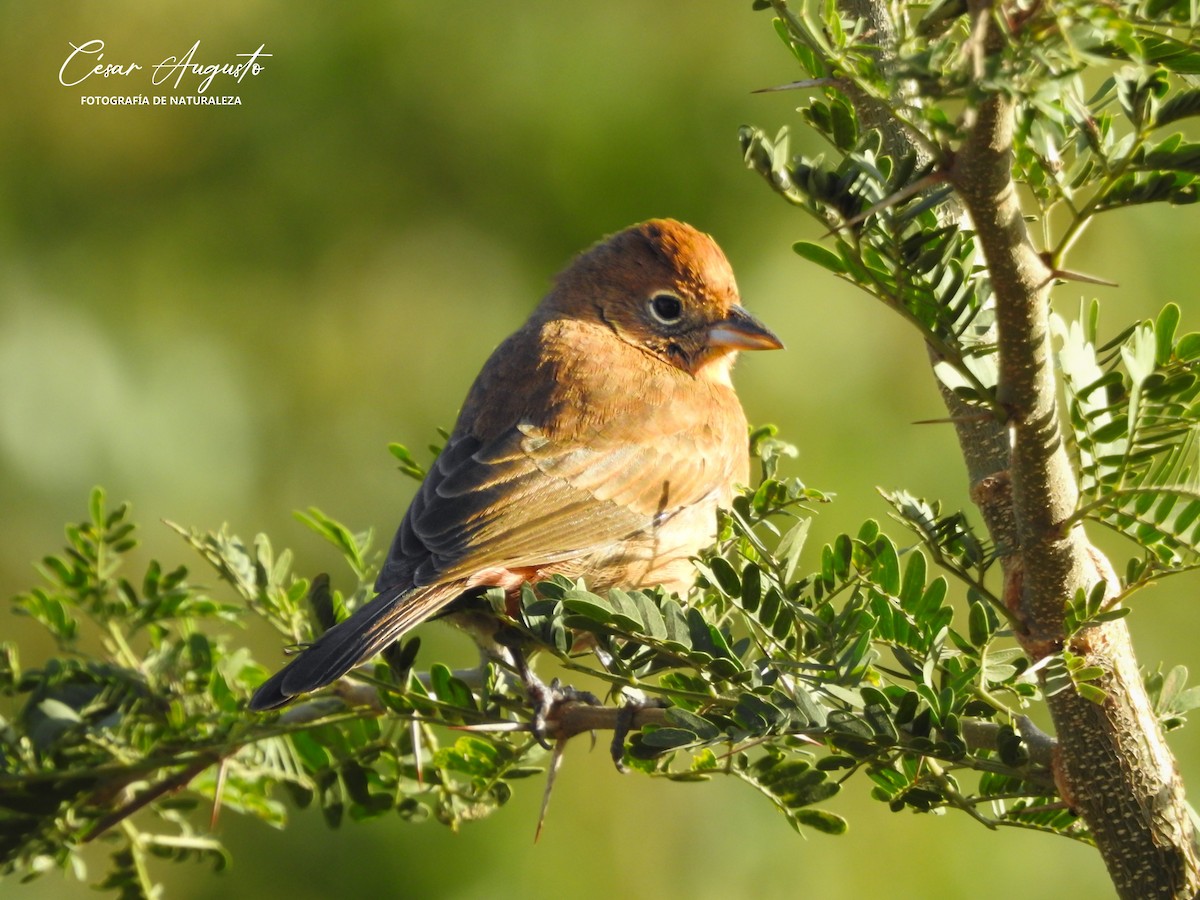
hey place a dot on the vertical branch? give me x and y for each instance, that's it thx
(1114, 764)
(1044, 493)
(1115, 767)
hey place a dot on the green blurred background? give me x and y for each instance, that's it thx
(224, 314)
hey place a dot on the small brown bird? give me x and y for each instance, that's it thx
(597, 442)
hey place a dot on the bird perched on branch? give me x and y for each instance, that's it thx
(597, 442)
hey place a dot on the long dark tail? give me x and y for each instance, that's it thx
(354, 640)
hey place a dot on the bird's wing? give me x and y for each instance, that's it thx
(528, 499)
(521, 499)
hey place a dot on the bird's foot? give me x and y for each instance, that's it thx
(547, 700)
(626, 718)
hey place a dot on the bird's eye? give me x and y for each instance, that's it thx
(667, 308)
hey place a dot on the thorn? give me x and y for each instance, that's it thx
(560, 747)
(415, 725)
(1068, 275)
(1040, 808)
(492, 726)
(954, 420)
(803, 84)
(218, 787)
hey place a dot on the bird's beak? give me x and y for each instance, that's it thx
(741, 331)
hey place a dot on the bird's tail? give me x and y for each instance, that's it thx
(370, 629)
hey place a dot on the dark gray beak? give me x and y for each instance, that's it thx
(741, 331)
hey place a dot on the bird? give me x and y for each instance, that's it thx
(597, 442)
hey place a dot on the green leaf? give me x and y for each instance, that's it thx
(352, 546)
(1164, 333)
(844, 124)
(822, 256)
(915, 573)
(1176, 188)
(790, 547)
(652, 617)
(820, 820)
(751, 587)
(676, 625)
(979, 627)
(1092, 693)
(408, 465)
(96, 507)
(769, 611)
(593, 606)
(1188, 347)
(757, 714)
(1173, 155)
(1178, 56)
(626, 614)
(699, 726)
(886, 569)
(664, 738)
(726, 575)
(450, 689)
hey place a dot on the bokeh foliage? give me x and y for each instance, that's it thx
(237, 233)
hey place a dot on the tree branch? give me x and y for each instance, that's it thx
(1115, 766)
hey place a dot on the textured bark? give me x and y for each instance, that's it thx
(1114, 765)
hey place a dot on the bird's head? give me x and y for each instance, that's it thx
(667, 289)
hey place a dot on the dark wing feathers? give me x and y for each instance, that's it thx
(368, 631)
(457, 524)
